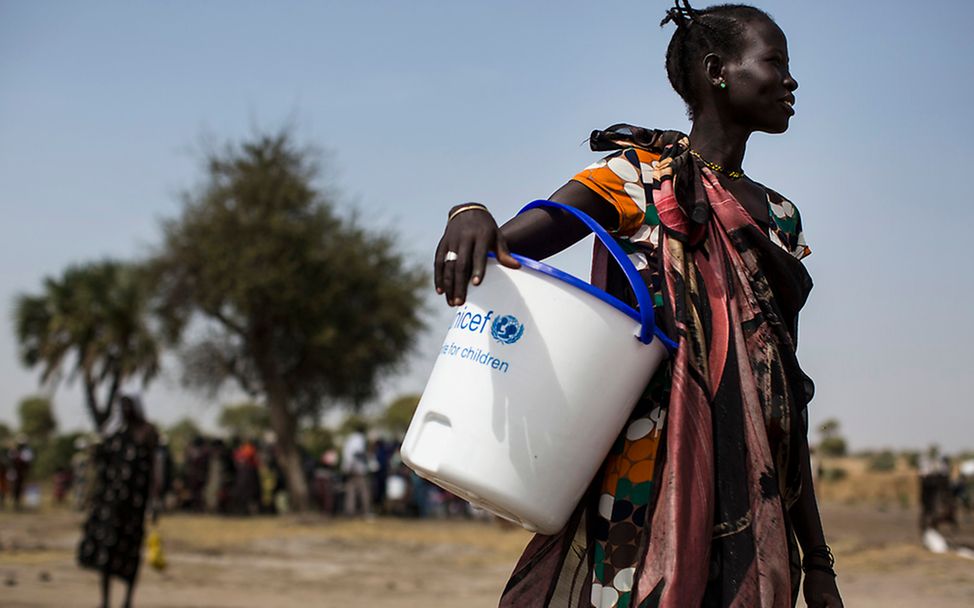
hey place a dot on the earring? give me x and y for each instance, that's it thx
(723, 84)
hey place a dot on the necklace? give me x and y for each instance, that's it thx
(716, 167)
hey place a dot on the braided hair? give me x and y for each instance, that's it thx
(715, 29)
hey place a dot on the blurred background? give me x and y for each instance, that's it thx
(230, 208)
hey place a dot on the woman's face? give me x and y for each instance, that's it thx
(760, 89)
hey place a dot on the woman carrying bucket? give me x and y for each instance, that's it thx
(706, 498)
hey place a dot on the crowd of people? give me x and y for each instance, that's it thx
(364, 476)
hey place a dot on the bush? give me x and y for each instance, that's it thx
(883, 461)
(833, 446)
(834, 474)
(912, 458)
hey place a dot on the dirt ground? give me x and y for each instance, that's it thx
(394, 563)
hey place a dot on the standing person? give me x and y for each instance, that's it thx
(325, 481)
(707, 496)
(936, 498)
(4, 481)
(247, 490)
(163, 464)
(381, 456)
(81, 472)
(355, 466)
(21, 459)
(124, 487)
(196, 470)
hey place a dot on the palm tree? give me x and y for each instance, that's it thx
(92, 320)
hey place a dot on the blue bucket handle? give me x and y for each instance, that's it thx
(645, 313)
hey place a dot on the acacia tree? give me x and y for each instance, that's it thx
(399, 413)
(302, 308)
(94, 320)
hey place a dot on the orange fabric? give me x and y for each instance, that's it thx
(619, 180)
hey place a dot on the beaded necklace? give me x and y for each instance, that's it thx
(716, 167)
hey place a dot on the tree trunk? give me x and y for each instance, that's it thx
(284, 425)
(283, 420)
(99, 416)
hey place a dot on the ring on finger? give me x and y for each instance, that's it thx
(451, 256)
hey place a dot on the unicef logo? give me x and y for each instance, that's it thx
(507, 329)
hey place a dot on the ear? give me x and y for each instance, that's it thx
(713, 67)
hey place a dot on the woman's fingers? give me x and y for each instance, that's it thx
(504, 254)
(438, 265)
(461, 254)
(479, 262)
(447, 275)
(461, 272)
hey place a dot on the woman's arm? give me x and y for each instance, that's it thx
(537, 233)
(820, 589)
(804, 513)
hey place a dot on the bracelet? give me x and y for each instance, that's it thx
(821, 552)
(470, 207)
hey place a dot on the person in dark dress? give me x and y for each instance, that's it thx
(124, 487)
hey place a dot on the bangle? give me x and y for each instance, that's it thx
(823, 553)
(459, 210)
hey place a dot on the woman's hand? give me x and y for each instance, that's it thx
(820, 590)
(461, 255)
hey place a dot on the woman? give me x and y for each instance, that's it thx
(124, 485)
(707, 495)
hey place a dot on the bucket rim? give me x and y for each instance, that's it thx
(588, 288)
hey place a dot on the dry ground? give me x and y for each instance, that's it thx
(386, 563)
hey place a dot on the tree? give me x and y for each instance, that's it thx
(832, 444)
(316, 440)
(95, 319)
(303, 309)
(399, 413)
(244, 419)
(180, 435)
(37, 419)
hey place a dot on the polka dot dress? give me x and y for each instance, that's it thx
(113, 532)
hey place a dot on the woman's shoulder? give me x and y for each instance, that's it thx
(787, 223)
(783, 211)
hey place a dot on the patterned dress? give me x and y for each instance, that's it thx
(609, 537)
(113, 532)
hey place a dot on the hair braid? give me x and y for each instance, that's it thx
(718, 28)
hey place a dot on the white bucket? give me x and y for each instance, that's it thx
(538, 373)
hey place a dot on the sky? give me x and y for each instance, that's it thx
(106, 107)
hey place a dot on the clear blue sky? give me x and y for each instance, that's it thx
(424, 104)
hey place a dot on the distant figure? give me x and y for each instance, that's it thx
(4, 482)
(196, 469)
(81, 474)
(936, 496)
(326, 481)
(246, 491)
(21, 458)
(966, 485)
(382, 452)
(163, 465)
(63, 480)
(124, 486)
(355, 466)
